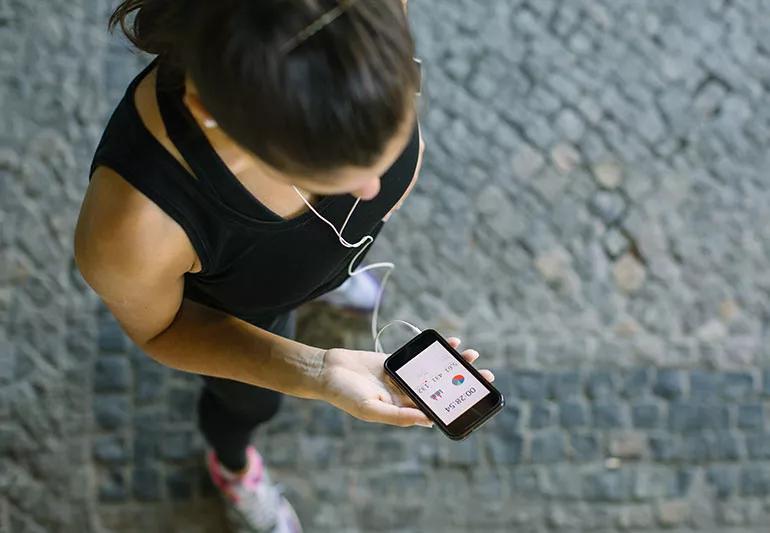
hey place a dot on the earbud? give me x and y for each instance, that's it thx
(390, 266)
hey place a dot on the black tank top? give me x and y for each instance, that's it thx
(256, 265)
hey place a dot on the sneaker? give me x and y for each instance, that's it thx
(358, 293)
(254, 504)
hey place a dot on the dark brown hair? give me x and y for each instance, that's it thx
(336, 99)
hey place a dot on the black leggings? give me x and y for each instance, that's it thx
(229, 411)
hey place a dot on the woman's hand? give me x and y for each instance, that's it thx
(355, 381)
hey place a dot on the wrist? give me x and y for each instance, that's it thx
(314, 377)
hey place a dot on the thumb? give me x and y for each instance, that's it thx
(387, 413)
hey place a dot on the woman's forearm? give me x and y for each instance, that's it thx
(204, 341)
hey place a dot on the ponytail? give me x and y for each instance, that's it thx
(157, 25)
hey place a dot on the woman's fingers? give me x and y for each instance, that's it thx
(489, 376)
(469, 355)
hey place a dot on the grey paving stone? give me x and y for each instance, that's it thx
(601, 385)
(146, 485)
(609, 206)
(324, 420)
(112, 488)
(651, 127)
(724, 478)
(728, 446)
(695, 416)
(149, 386)
(655, 483)
(608, 415)
(7, 361)
(111, 449)
(111, 337)
(320, 451)
(506, 451)
(705, 385)
(464, 453)
(111, 412)
(751, 416)
(529, 385)
(758, 445)
(24, 365)
(548, 447)
(541, 415)
(180, 483)
(388, 516)
(664, 448)
(685, 478)
(570, 125)
(543, 100)
(284, 451)
(177, 445)
(646, 415)
(670, 384)
(739, 385)
(565, 385)
(508, 421)
(112, 374)
(755, 480)
(698, 448)
(585, 446)
(573, 414)
(722, 446)
(637, 382)
(766, 382)
(608, 485)
(182, 403)
(615, 243)
(147, 446)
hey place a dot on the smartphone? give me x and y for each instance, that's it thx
(444, 385)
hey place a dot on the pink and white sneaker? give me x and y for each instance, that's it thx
(254, 504)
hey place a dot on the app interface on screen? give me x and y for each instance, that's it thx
(442, 382)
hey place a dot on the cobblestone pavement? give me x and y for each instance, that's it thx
(592, 217)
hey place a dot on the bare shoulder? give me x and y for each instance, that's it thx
(120, 227)
(132, 254)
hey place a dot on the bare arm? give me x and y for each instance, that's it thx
(204, 341)
(134, 256)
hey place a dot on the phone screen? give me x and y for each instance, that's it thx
(442, 382)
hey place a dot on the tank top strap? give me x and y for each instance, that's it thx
(165, 182)
(181, 128)
(195, 148)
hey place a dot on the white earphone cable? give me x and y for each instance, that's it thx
(388, 265)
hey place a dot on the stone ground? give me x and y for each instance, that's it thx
(592, 217)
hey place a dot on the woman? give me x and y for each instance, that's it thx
(193, 230)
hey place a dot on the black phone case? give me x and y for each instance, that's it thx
(425, 408)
